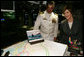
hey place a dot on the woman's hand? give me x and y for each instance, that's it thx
(70, 40)
(75, 41)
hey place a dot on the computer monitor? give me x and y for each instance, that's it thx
(34, 36)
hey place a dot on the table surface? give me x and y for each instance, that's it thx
(46, 48)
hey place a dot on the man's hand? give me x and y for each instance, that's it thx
(55, 39)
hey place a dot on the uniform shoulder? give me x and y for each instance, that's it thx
(41, 13)
(56, 14)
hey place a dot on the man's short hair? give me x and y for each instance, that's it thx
(50, 3)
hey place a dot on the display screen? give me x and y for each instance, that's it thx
(9, 15)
